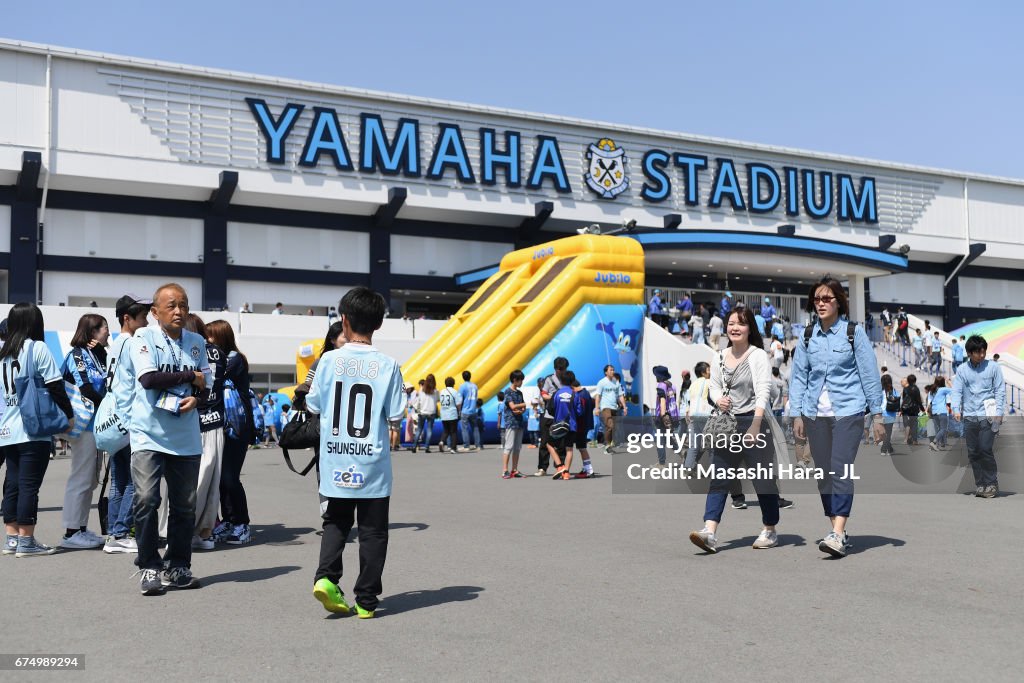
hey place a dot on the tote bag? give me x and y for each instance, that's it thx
(39, 414)
(82, 407)
(110, 428)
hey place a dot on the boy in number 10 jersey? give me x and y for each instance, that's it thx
(356, 390)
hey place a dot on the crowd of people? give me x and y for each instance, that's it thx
(176, 398)
(704, 322)
(171, 404)
(828, 397)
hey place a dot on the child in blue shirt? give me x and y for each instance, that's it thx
(513, 408)
(565, 409)
(357, 391)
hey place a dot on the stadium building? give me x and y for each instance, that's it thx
(117, 174)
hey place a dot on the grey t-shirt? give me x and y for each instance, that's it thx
(741, 387)
(551, 385)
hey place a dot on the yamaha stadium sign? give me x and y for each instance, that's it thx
(816, 194)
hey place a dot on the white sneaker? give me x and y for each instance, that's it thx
(834, 545)
(120, 545)
(80, 541)
(91, 534)
(705, 540)
(933, 446)
(767, 539)
(199, 543)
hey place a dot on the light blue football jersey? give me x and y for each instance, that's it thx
(357, 389)
(120, 375)
(152, 428)
(12, 429)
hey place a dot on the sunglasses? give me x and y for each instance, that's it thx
(823, 299)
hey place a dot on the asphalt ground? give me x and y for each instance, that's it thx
(535, 579)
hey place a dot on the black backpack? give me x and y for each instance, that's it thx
(911, 403)
(892, 403)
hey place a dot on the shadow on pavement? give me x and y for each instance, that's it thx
(411, 600)
(277, 534)
(785, 540)
(862, 543)
(1001, 494)
(248, 575)
(353, 535)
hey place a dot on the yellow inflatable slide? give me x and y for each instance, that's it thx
(519, 309)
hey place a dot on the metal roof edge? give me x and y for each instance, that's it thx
(172, 67)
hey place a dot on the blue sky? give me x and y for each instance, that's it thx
(930, 83)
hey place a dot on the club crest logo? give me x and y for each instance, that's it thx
(606, 174)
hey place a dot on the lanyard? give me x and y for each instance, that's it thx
(176, 360)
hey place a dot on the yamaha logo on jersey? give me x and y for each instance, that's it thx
(606, 176)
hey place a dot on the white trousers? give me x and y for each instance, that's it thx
(82, 481)
(208, 489)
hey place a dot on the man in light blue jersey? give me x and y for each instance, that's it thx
(957, 353)
(132, 312)
(356, 391)
(170, 367)
(936, 349)
(979, 399)
(468, 413)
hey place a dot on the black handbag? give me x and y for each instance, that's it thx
(301, 432)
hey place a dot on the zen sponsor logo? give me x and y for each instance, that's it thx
(350, 478)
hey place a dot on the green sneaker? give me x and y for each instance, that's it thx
(330, 596)
(363, 613)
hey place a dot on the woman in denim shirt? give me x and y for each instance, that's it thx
(832, 384)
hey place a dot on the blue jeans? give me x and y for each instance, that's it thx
(425, 426)
(833, 442)
(468, 422)
(122, 490)
(182, 475)
(941, 428)
(697, 423)
(767, 489)
(980, 441)
(26, 467)
(674, 429)
(698, 335)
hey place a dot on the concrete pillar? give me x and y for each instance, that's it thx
(856, 292)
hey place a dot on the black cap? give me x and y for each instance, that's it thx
(129, 300)
(661, 373)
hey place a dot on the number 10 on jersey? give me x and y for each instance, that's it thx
(356, 430)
